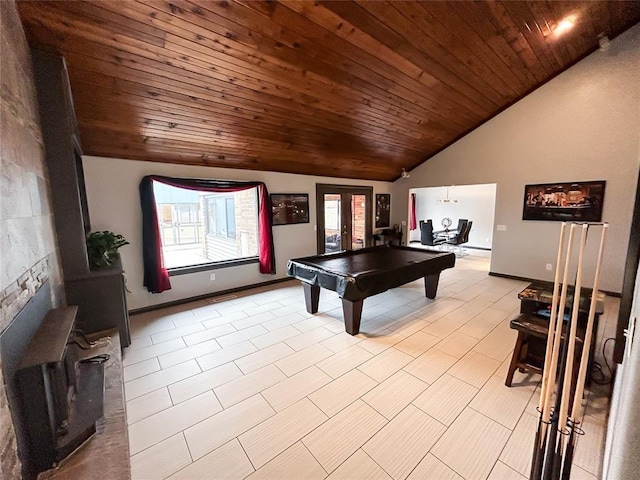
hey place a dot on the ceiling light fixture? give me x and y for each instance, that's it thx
(564, 25)
(447, 199)
(404, 173)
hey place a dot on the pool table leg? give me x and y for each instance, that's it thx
(311, 297)
(431, 285)
(352, 312)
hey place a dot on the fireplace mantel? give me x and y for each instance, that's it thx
(49, 343)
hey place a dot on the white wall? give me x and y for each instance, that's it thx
(582, 125)
(621, 460)
(114, 204)
(474, 202)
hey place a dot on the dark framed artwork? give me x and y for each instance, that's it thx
(383, 209)
(564, 202)
(289, 208)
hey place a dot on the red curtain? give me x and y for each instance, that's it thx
(412, 212)
(156, 276)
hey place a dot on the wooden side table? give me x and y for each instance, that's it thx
(390, 237)
(528, 354)
(533, 326)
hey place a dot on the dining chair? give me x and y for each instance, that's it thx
(459, 239)
(426, 234)
(461, 222)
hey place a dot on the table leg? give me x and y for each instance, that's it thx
(431, 285)
(515, 359)
(311, 297)
(352, 312)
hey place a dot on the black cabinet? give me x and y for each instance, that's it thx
(102, 301)
(99, 295)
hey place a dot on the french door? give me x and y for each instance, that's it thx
(344, 217)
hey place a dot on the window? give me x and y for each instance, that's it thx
(332, 213)
(221, 216)
(250, 212)
(187, 213)
(199, 228)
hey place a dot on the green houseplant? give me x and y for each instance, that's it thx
(102, 248)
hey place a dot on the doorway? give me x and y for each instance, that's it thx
(448, 204)
(344, 217)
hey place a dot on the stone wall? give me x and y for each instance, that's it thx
(27, 240)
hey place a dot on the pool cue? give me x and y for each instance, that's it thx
(584, 362)
(541, 435)
(549, 417)
(568, 368)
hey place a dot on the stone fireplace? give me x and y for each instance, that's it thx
(12, 300)
(27, 241)
(55, 400)
(31, 255)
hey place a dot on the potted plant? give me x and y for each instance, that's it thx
(102, 248)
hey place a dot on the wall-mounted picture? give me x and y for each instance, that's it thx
(564, 202)
(383, 209)
(289, 208)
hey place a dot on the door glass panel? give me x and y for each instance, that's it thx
(344, 217)
(358, 203)
(332, 219)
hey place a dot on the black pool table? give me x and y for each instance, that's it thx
(358, 274)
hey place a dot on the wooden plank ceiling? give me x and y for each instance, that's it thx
(344, 89)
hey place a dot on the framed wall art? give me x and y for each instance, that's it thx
(383, 209)
(289, 208)
(564, 202)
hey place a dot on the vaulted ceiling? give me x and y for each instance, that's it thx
(344, 89)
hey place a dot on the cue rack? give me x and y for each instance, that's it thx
(559, 420)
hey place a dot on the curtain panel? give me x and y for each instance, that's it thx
(412, 213)
(156, 276)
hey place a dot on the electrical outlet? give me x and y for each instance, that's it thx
(501, 228)
(549, 266)
(212, 276)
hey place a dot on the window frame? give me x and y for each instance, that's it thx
(156, 277)
(203, 267)
(215, 265)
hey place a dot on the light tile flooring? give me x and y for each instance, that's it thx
(251, 385)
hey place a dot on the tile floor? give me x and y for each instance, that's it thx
(252, 386)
